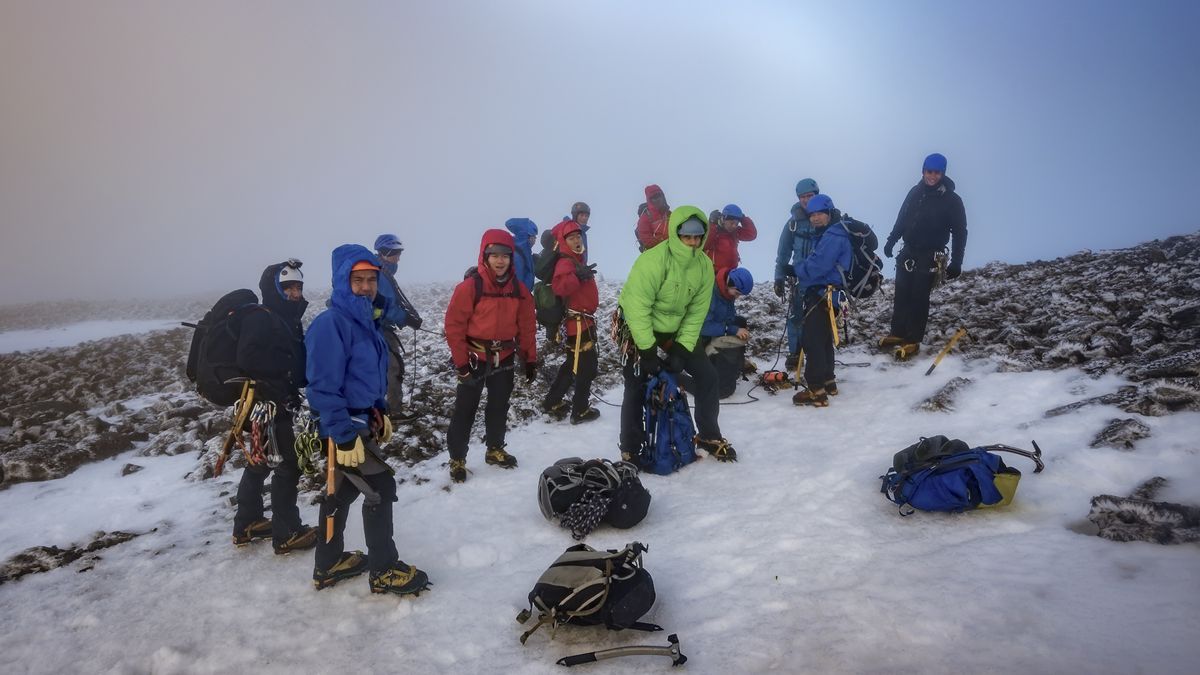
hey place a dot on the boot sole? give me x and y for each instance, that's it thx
(333, 581)
(399, 591)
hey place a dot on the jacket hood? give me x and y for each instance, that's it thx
(723, 282)
(560, 234)
(521, 228)
(495, 236)
(677, 217)
(274, 299)
(652, 190)
(343, 258)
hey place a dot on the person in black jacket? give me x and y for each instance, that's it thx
(271, 350)
(932, 215)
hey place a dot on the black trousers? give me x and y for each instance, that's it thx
(495, 415)
(705, 409)
(377, 522)
(818, 341)
(910, 313)
(285, 519)
(588, 365)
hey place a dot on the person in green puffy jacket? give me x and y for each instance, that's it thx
(664, 302)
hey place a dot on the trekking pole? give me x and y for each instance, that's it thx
(241, 413)
(671, 650)
(330, 463)
(946, 350)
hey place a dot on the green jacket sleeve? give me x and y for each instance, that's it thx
(637, 297)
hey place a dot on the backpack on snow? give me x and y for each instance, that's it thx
(587, 587)
(580, 495)
(865, 275)
(670, 434)
(939, 474)
(212, 356)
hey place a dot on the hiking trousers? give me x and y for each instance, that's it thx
(794, 327)
(285, 520)
(818, 341)
(910, 312)
(495, 413)
(395, 375)
(588, 365)
(706, 406)
(376, 517)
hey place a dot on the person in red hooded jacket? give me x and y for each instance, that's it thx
(489, 322)
(722, 243)
(574, 281)
(652, 222)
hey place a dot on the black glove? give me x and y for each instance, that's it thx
(954, 270)
(887, 249)
(677, 357)
(585, 273)
(531, 370)
(649, 362)
(415, 321)
(779, 288)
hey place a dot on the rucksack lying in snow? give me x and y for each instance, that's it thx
(670, 433)
(939, 474)
(580, 495)
(587, 587)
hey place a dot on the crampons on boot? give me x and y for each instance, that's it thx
(498, 457)
(719, 448)
(259, 529)
(585, 416)
(890, 341)
(351, 564)
(906, 351)
(458, 470)
(401, 579)
(558, 411)
(831, 388)
(301, 540)
(817, 399)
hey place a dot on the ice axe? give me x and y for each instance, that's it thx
(958, 334)
(240, 415)
(671, 650)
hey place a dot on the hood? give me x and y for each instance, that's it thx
(560, 234)
(723, 282)
(652, 190)
(522, 229)
(677, 217)
(274, 299)
(343, 259)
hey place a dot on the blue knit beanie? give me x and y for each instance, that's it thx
(935, 162)
(740, 278)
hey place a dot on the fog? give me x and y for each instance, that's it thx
(151, 148)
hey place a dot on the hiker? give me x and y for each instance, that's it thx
(724, 334)
(818, 281)
(932, 215)
(489, 322)
(663, 303)
(400, 314)
(574, 281)
(722, 243)
(795, 244)
(524, 233)
(580, 214)
(347, 388)
(652, 223)
(270, 350)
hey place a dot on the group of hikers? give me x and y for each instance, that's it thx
(676, 311)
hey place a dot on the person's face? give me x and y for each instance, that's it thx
(734, 292)
(820, 218)
(691, 240)
(364, 283)
(499, 263)
(575, 241)
(729, 224)
(390, 255)
(582, 218)
(807, 196)
(659, 202)
(931, 177)
(532, 239)
(293, 290)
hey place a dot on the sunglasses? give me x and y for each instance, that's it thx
(390, 252)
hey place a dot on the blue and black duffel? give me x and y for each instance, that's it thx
(939, 474)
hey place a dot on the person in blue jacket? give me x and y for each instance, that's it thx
(818, 280)
(796, 242)
(524, 233)
(724, 334)
(400, 314)
(347, 388)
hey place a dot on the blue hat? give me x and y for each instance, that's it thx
(732, 211)
(740, 278)
(385, 242)
(935, 162)
(819, 203)
(806, 185)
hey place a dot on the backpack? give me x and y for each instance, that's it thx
(865, 275)
(580, 495)
(939, 474)
(587, 587)
(550, 308)
(473, 274)
(212, 356)
(670, 435)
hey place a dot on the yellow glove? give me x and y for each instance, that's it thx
(351, 453)
(385, 430)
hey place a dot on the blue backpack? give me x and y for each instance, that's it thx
(939, 474)
(670, 434)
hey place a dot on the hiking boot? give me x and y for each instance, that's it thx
(817, 399)
(890, 341)
(906, 351)
(831, 388)
(585, 416)
(500, 458)
(302, 539)
(401, 579)
(790, 363)
(351, 564)
(259, 529)
(458, 470)
(749, 367)
(719, 448)
(628, 457)
(558, 410)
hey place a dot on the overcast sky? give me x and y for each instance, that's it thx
(151, 148)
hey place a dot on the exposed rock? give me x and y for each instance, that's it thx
(44, 558)
(131, 468)
(1124, 395)
(1121, 434)
(943, 400)
(1139, 518)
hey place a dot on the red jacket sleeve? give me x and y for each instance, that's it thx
(458, 315)
(747, 232)
(526, 328)
(565, 282)
(645, 230)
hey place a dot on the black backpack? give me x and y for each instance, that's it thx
(212, 357)
(580, 495)
(865, 275)
(550, 308)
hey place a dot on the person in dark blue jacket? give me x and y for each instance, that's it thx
(524, 233)
(818, 280)
(347, 388)
(724, 334)
(400, 314)
(795, 244)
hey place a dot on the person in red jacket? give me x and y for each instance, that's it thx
(574, 281)
(722, 244)
(652, 222)
(489, 321)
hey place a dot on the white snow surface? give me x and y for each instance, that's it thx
(73, 334)
(789, 560)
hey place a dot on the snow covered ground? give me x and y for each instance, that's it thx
(787, 561)
(73, 334)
